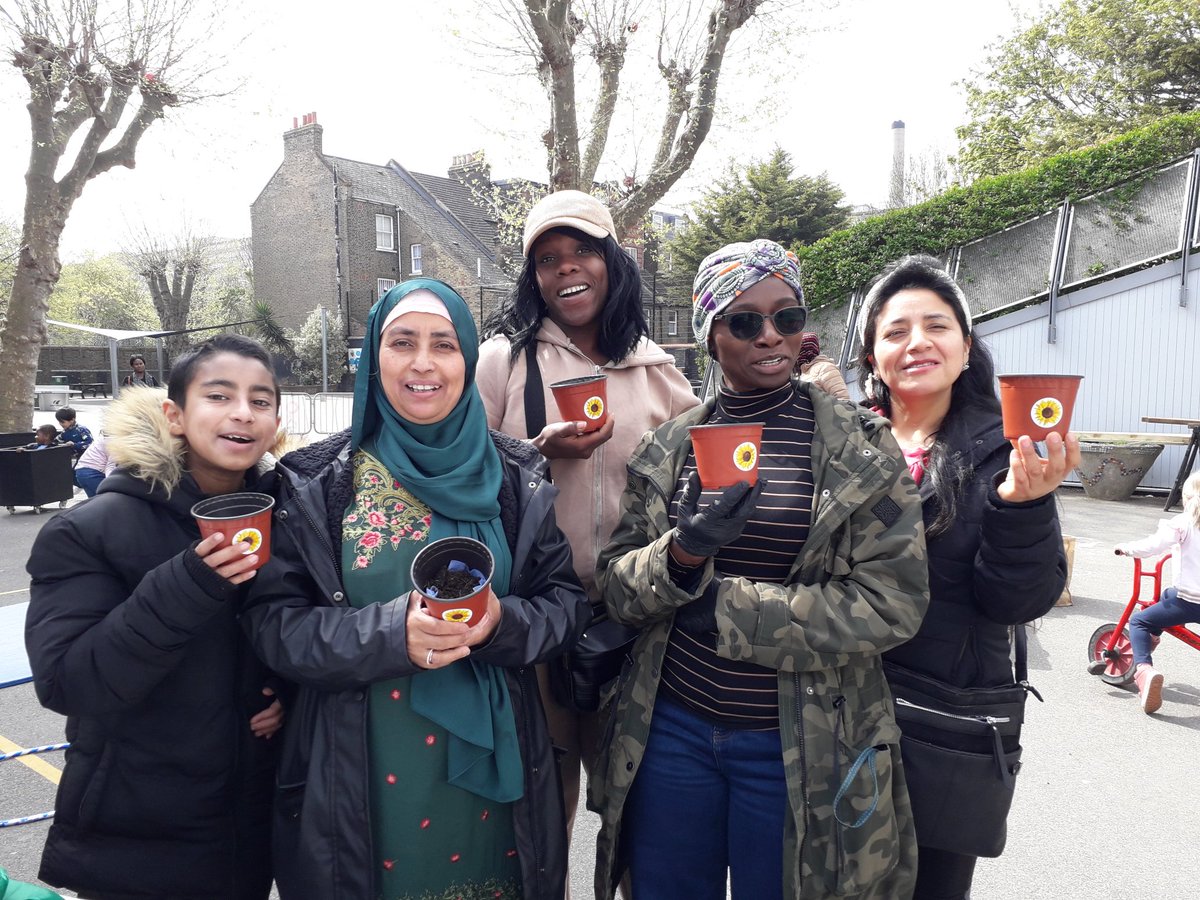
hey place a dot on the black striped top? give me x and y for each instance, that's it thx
(733, 693)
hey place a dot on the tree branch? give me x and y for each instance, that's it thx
(727, 18)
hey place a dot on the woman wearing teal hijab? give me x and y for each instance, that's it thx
(417, 764)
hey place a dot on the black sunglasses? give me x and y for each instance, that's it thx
(746, 326)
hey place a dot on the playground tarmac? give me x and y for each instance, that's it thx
(1103, 804)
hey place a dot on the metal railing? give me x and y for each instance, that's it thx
(1141, 221)
(323, 413)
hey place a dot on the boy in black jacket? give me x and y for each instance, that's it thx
(133, 634)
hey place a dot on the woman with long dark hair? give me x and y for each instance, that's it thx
(577, 310)
(994, 547)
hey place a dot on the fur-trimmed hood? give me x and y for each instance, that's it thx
(138, 437)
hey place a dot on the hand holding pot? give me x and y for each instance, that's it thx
(431, 641)
(567, 440)
(1030, 476)
(700, 533)
(232, 562)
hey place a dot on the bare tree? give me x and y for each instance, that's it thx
(99, 73)
(692, 37)
(174, 269)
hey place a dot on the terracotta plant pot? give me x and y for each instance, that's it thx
(1113, 471)
(240, 517)
(1037, 405)
(726, 454)
(434, 560)
(583, 400)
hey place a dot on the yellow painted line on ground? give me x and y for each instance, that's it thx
(39, 765)
(19, 591)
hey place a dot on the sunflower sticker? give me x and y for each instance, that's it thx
(1047, 412)
(745, 455)
(251, 536)
(594, 408)
(458, 615)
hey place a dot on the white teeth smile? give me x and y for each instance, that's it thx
(572, 291)
(422, 388)
(773, 361)
(238, 439)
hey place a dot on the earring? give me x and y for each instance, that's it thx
(966, 366)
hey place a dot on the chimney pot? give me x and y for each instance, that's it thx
(295, 123)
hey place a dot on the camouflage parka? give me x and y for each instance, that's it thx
(859, 587)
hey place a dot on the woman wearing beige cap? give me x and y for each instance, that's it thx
(576, 311)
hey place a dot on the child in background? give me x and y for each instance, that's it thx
(94, 465)
(133, 634)
(1178, 604)
(72, 432)
(43, 438)
(820, 370)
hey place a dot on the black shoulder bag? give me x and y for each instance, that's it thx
(580, 678)
(962, 752)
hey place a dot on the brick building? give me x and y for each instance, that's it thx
(335, 231)
(339, 232)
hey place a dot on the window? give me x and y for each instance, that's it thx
(415, 253)
(673, 322)
(657, 219)
(668, 261)
(383, 285)
(632, 251)
(385, 233)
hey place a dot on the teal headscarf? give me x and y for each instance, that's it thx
(454, 468)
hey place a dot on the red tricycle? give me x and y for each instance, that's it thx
(1110, 654)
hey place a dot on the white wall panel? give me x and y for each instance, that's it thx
(1136, 349)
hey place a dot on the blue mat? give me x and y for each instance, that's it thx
(14, 664)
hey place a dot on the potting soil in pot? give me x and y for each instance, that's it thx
(454, 580)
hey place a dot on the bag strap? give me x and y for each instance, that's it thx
(535, 399)
(1021, 661)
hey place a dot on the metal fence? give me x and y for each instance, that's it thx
(321, 414)
(1127, 227)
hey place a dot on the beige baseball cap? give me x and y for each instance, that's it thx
(572, 209)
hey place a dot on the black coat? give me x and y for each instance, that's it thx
(302, 624)
(999, 564)
(166, 792)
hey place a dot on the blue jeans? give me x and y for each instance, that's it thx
(1149, 623)
(88, 479)
(706, 799)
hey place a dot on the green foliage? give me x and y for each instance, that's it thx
(268, 330)
(836, 265)
(307, 343)
(101, 292)
(765, 200)
(1081, 72)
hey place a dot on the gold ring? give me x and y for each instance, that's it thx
(429, 657)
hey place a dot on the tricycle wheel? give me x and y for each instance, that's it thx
(1116, 669)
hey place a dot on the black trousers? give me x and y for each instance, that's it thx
(942, 875)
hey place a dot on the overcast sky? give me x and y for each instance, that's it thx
(401, 81)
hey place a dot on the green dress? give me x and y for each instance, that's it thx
(432, 840)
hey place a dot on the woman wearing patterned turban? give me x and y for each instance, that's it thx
(753, 737)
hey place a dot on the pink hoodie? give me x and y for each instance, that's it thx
(644, 390)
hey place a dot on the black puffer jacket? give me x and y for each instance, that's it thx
(999, 564)
(301, 622)
(166, 792)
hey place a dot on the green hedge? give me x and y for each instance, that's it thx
(841, 262)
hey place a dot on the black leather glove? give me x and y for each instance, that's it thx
(700, 616)
(702, 532)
